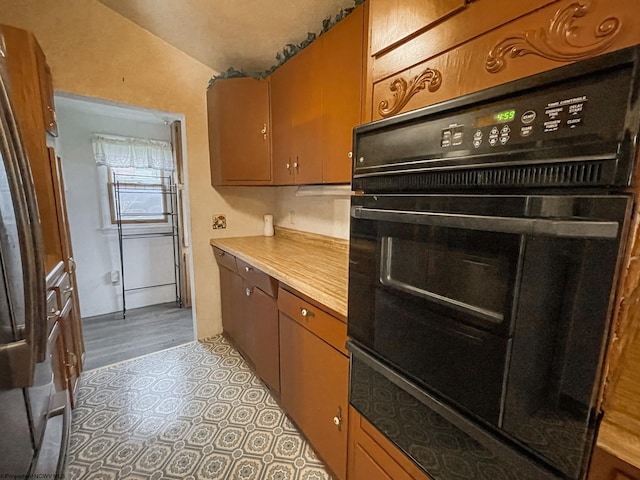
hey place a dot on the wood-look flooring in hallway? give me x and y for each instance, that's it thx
(111, 339)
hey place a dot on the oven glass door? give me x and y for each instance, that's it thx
(496, 305)
(439, 304)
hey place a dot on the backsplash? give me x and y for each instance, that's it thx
(322, 214)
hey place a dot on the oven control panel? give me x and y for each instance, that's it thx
(521, 121)
(584, 112)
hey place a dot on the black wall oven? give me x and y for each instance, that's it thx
(483, 256)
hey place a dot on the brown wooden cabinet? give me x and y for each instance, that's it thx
(605, 466)
(63, 317)
(394, 21)
(250, 315)
(31, 92)
(314, 374)
(341, 95)
(373, 457)
(239, 132)
(296, 108)
(484, 44)
(296, 127)
(25, 66)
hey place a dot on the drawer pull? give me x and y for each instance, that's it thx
(53, 313)
(67, 290)
(248, 269)
(248, 291)
(221, 254)
(306, 313)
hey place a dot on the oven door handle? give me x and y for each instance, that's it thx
(520, 226)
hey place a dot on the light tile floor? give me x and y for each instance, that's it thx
(191, 412)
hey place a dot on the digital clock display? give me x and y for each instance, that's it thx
(494, 118)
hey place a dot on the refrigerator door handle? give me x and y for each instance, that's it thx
(18, 358)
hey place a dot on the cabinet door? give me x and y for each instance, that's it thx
(238, 111)
(605, 466)
(306, 93)
(262, 315)
(373, 457)
(296, 109)
(282, 81)
(393, 21)
(46, 88)
(67, 253)
(231, 293)
(341, 91)
(313, 390)
(69, 357)
(24, 66)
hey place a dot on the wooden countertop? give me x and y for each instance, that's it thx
(314, 265)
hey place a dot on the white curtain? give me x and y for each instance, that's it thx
(132, 152)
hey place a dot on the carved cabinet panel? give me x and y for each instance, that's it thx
(558, 34)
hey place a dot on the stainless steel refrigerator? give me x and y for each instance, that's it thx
(28, 406)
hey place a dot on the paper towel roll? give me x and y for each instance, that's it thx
(268, 226)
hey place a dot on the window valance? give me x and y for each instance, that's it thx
(125, 152)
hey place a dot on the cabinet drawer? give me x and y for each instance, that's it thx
(264, 282)
(325, 326)
(393, 21)
(225, 259)
(53, 310)
(63, 288)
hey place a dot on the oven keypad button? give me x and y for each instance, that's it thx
(526, 130)
(528, 117)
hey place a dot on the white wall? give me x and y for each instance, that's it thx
(147, 261)
(321, 214)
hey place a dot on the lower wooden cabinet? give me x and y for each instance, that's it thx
(63, 316)
(314, 379)
(250, 315)
(605, 466)
(373, 457)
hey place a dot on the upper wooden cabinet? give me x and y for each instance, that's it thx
(239, 132)
(341, 95)
(33, 104)
(296, 96)
(295, 128)
(393, 21)
(46, 89)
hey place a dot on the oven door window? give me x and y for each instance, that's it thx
(442, 309)
(469, 274)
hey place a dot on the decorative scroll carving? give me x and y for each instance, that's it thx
(403, 91)
(557, 42)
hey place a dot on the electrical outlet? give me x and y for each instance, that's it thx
(219, 220)
(292, 217)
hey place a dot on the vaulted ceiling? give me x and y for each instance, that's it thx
(244, 34)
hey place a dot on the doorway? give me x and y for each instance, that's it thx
(148, 273)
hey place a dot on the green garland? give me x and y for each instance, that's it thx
(289, 50)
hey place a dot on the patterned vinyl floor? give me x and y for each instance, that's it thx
(192, 412)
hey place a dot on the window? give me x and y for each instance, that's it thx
(137, 174)
(138, 195)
